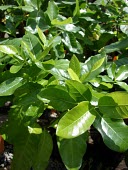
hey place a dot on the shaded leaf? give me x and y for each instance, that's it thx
(44, 150)
(72, 151)
(59, 98)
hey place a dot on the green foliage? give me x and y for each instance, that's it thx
(67, 56)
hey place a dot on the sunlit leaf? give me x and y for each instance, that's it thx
(113, 131)
(114, 105)
(76, 121)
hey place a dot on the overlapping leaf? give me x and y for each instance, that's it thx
(114, 105)
(114, 133)
(76, 121)
(72, 151)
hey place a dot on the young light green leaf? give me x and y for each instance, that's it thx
(9, 86)
(16, 68)
(114, 132)
(76, 121)
(73, 75)
(114, 105)
(75, 65)
(64, 22)
(42, 36)
(72, 151)
(77, 9)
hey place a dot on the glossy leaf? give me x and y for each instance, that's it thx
(32, 43)
(72, 151)
(92, 67)
(52, 10)
(8, 49)
(122, 73)
(122, 44)
(114, 105)
(42, 36)
(76, 121)
(37, 18)
(59, 98)
(72, 44)
(78, 91)
(9, 86)
(114, 132)
(73, 75)
(123, 85)
(75, 65)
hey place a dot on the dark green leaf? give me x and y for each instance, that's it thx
(59, 98)
(73, 150)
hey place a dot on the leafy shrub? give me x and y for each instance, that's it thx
(64, 60)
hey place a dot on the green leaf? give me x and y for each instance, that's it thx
(124, 29)
(8, 49)
(73, 75)
(114, 133)
(44, 151)
(75, 65)
(34, 3)
(111, 70)
(123, 85)
(122, 73)
(78, 91)
(52, 10)
(5, 7)
(37, 17)
(64, 22)
(72, 151)
(42, 36)
(122, 44)
(114, 105)
(16, 68)
(72, 44)
(59, 98)
(9, 86)
(76, 121)
(92, 67)
(77, 9)
(32, 43)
